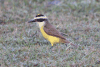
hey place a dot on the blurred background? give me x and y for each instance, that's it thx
(21, 43)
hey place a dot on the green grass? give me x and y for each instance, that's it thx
(21, 43)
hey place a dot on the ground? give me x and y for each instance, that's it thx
(21, 43)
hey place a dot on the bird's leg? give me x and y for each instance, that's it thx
(51, 46)
(66, 44)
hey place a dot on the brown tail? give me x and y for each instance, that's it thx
(68, 42)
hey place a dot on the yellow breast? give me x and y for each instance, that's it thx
(52, 39)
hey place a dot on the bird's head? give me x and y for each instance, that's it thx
(39, 19)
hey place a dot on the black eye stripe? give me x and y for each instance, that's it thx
(40, 20)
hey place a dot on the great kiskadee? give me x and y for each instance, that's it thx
(48, 31)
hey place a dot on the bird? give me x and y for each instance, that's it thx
(48, 31)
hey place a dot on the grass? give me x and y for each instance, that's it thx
(21, 43)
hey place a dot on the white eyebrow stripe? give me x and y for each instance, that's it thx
(44, 17)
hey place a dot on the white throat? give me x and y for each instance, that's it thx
(40, 24)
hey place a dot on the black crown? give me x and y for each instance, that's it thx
(39, 15)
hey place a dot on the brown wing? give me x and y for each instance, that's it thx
(51, 30)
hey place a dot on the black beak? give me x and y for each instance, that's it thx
(33, 20)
